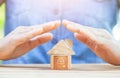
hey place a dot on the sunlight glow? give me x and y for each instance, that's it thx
(116, 32)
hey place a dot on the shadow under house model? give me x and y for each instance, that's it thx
(61, 55)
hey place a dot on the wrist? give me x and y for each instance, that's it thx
(114, 53)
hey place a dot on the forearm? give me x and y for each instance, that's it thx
(5, 48)
(2, 49)
(110, 52)
(115, 53)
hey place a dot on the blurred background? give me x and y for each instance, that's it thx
(116, 29)
(2, 18)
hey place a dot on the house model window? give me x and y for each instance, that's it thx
(60, 55)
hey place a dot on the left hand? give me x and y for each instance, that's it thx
(24, 38)
(99, 41)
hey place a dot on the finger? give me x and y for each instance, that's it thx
(73, 27)
(40, 40)
(80, 37)
(86, 40)
(23, 34)
(43, 28)
(82, 30)
(47, 27)
(26, 47)
(78, 28)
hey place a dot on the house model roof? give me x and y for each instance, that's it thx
(64, 47)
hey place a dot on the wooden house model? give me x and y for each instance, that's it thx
(60, 55)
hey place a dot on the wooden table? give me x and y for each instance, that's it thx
(44, 71)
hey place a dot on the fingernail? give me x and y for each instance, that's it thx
(77, 35)
(70, 26)
(48, 34)
(65, 20)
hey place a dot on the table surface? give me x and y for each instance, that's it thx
(44, 71)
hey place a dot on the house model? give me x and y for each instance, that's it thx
(60, 55)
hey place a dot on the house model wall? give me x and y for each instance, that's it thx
(61, 53)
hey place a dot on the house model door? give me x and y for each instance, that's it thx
(61, 62)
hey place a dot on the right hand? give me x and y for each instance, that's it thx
(100, 41)
(23, 39)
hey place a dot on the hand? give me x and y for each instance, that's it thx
(23, 39)
(98, 40)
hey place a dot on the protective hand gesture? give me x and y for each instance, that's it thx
(24, 39)
(98, 40)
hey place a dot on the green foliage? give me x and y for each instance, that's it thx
(2, 19)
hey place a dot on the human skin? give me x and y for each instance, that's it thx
(100, 41)
(102, 44)
(25, 38)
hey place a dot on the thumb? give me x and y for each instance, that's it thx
(24, 48)
(39, 40)
(86, 40)
(81, 37)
